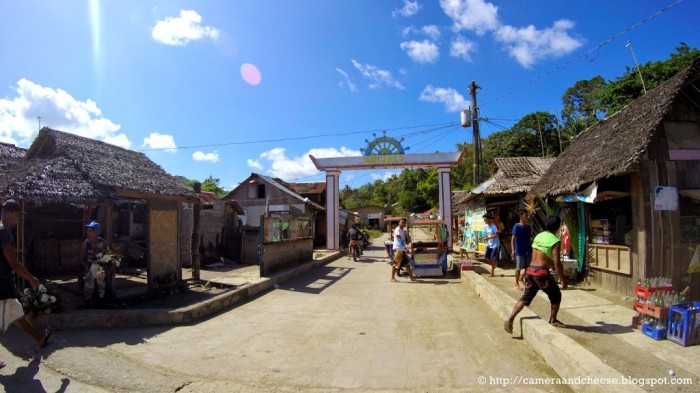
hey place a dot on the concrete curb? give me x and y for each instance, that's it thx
(568, 358)
(78, 319)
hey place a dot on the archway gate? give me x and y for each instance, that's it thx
(334, 165)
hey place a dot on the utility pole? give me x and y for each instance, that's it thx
(38, 118)
(475, 135)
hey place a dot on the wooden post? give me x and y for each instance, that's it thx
(195, 240)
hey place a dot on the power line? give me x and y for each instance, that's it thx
(585, 54)
(251, 142)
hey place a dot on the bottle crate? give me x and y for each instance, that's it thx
(657, 312)
(684, 323)
(640, 307)
(637, 322)
(645, 292)
(654, 332)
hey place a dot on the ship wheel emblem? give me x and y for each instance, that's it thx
(383, 145)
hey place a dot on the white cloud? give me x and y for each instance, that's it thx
(478, 16)
(422, 52)
(160, 142)
(255, 164)
(377, 76)
(453, 101)
(58, 110)
(201, 156)
(384, 176)
(460, 47)
(290, 169)
(528, 44)
(179, 31)
(120, 140)
(346, 80)
(409, 8)
(431, 31)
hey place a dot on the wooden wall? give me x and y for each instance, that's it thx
(164, 268)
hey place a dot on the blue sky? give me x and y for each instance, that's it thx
(229, 87)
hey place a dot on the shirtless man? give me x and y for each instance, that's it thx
(545, 255)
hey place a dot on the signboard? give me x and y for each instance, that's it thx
(425, 259)
(665, 198)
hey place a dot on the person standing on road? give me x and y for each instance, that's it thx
(493, 244)
(401, 252)
(545, 255)
(10, 308)
(521, 245)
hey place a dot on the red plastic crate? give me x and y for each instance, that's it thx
(657, 312)
(644, 292)
(639, 307)
(467, 266)
(684, 323)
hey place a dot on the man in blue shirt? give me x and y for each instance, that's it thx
(521, 244)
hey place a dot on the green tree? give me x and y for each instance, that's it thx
(209, 184)
(582, 104)
(629, 87)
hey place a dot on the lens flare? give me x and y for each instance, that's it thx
(251, 74)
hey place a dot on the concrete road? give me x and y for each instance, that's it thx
(342, 327)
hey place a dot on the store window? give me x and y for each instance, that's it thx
(610, 227)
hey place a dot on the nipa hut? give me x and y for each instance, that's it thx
(65, 181)
(502, 195)
(641, 169)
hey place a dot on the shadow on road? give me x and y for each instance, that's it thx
(317, 280)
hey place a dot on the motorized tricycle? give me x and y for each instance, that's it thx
(429, 239)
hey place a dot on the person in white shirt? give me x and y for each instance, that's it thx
(401, 252)
(493, 244)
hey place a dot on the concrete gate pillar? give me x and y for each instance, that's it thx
(446, 201)
(332, 209)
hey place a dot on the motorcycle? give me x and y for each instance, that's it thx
(354, 250)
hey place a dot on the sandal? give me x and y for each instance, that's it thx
(45, 341)
(508, 327)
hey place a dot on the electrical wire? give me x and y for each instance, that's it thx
(584, 54)
(251, 142)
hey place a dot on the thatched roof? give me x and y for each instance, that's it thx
(55, 179)
(10, 156)
(63, 167)
(615, 144)
(515, 175)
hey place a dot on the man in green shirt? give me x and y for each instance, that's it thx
(545, 256)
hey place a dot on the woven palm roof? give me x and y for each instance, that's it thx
(515, 175)
(616, 144)
(64, 167)
(10, 156)
(53, 179)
